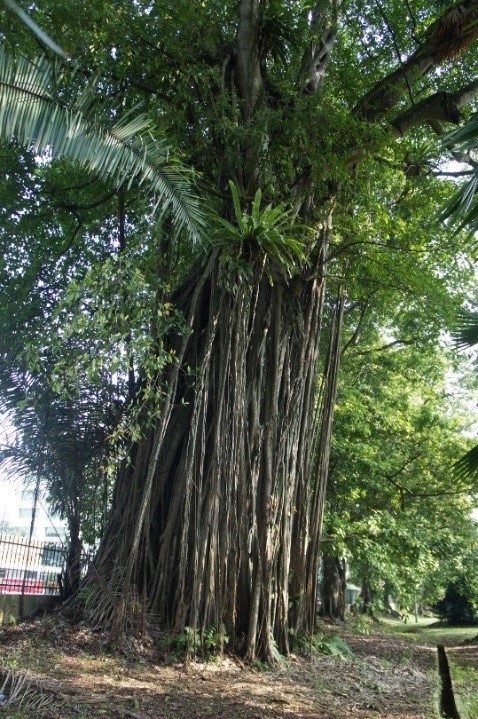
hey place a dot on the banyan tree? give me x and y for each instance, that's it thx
(278, 107)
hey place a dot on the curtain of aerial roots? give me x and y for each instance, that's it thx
(221, 505)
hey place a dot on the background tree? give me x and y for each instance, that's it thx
(393, 511)
(62, 444)
(458, 606)
(398, 304)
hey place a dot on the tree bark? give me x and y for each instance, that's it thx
(215, 544)
(333, 587)
(367, 597)
(72, 578)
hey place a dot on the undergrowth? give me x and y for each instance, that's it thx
(190, 642)
(319, 643)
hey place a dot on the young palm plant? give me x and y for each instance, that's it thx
(63, 444)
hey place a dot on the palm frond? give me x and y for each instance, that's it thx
(466, 335)
(55, 437)
(466, 468)
(35, 29)
(462, 208)
(463, 138)
(466, 332)
(33, 114)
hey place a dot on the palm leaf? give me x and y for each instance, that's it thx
(466, 335)
(55, 436)
(462, 209)
(466, 467)
(464, 138)
(466, 332)
(35, 29)
(126, 152)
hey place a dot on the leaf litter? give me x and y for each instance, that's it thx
(68, 673)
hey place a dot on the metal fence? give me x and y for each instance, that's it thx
(33, 567)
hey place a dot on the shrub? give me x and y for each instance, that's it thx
(457, 606)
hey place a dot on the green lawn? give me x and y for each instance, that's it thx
(465, 686)
(427, 631)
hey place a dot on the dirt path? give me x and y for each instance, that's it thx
(386, 676)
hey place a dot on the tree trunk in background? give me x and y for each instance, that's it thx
(333, 587)
(71, 580)
(366, 597)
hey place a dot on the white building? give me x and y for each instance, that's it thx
(16, 512)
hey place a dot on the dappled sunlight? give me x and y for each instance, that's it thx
(386, 676)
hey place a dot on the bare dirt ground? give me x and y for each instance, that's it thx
(68, 673)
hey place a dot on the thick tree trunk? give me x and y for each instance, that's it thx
(231, 511)
(72, 577)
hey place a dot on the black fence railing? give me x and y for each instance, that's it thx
(34, 567)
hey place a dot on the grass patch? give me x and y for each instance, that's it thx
(465, 685)
(449, 636)
(360, 624)
(425, 630)
(333, 645)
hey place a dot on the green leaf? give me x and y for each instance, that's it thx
(127, 152)
(236, 203)
(467, 466)
(466, 332)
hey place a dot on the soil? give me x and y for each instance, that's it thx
(60, 672)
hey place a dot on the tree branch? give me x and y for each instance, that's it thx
(395, 45)
(414, 23)
(75, 207)
(355, 338)
(249, 75)
(440, 107)
(317, 55)
(446, 39)
(391, 477)
(383, 348)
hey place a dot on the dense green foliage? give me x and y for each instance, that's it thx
(395, 509)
